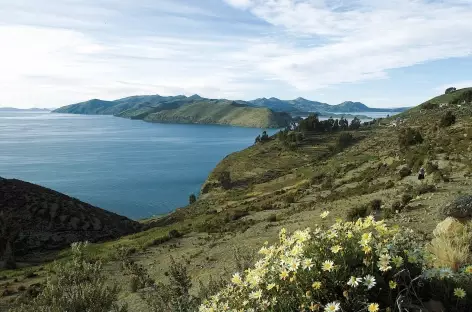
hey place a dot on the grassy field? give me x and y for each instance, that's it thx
(274, 187)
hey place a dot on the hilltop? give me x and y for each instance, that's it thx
(181, 109)
(303, 105)
(287, 181)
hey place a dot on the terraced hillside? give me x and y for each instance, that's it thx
(251, 195)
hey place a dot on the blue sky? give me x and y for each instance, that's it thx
(383, 53)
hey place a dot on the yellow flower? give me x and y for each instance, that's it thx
(468, 269)
(283, 274)
(237, 279)
(459, 293)
(367, 249)
(256, 295)
(373, 307)
(328, 265)
(308, 294)
(397, 261)
(349, 234)
(336, 249)
(270, 286)
(392, 284)
(324, 214)
(316, 285)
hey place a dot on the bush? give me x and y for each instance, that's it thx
(192, 199)
(425, 189)
(174, 296)
(79, 285)
(460, 208)
(272, 218)
(344, 140)
(358, 212)
(389, 184)
(429, 105)
(289, 199)
(406, 199)
(376, 204)
(448, 119)
(409, 136)
(404, 172)
(351, 266)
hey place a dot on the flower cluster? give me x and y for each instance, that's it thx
(348, 266)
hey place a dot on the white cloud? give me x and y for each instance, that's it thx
(60, 52)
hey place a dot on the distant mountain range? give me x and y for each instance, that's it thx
(8, 109)
(182, 109)
(304, 105)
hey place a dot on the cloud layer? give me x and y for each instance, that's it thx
(62, 51)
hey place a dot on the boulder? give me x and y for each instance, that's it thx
(449, 227)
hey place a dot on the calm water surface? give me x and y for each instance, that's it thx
(130, 167)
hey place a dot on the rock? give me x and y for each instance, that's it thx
(449, 227)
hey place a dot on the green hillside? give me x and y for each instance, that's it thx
(222, 113)
(181, 109)
(290, 182)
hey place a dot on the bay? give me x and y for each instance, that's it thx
(130, 167)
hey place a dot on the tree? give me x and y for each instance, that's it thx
(343, 124)
(355, 123)
(258, 139)
(447, 119)
(264, 136)
(192, 199)
(450, 90)
(409, 136)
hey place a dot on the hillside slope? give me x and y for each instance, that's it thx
(181, 109)
(47, 220)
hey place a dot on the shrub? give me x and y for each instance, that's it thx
(237, 214)
(409, 136)
(404, 172)
(174, 296)
(406, 199)
(376, 204)
(450, 90)
(192, 199)
(448, 119)
(429, 105)
(460, 208)
(344, 140)
(351, 266)
(389, 184)
(452, 251)
(224, 178)
(289, 199)
(424, 189)
(358, 212)
(79, 285)
(272, 218)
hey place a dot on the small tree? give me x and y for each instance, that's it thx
(355, 123)
(257, 140)
(450, 90)
(264, 136)
(192, 199)
(409, 136)
(447, 119)
(224, 178)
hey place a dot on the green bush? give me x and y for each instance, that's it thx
(357, 212)
(429, 105)
(409, 136)
(424, 189)
(78, 285)
(351, 266)
(344, 140)
(272, 218)
(192, 199)
(406, 199)
(376, 204)
(404, 172)
(448, 119)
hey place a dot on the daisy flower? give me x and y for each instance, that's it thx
(336, 249)
(354, 281)
(332, 307)
(459, 293)
(369, 281)
(373, 307)
(324, 214)
(328, 265)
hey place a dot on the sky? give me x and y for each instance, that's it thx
(383, 53)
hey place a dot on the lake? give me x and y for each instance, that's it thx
(130, 167)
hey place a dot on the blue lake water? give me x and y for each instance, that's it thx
(130, 167)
